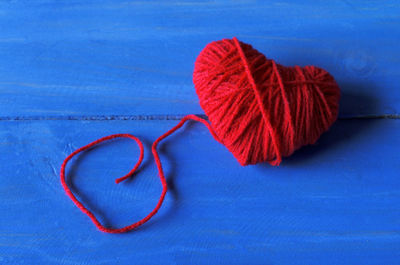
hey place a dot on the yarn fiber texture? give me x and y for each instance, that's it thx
(261, 110)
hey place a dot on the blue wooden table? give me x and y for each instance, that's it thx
(74, 71)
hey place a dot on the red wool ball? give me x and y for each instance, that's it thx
(260, 110)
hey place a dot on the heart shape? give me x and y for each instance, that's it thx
(260, 110)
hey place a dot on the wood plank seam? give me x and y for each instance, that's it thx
(159, 117)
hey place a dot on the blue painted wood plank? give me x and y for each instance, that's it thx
(336, 202)
(136, 58)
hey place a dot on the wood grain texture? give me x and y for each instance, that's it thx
(74, 71)
(336, 202)
(126, 57)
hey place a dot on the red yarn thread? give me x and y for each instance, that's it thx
(159, 167)
(260, 110)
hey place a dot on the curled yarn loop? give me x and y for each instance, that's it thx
(260, 110)
(79, 204)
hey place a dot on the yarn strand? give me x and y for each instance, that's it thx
(278, 155)
(259, 110)
(79, 204)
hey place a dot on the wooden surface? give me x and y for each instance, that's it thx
(73, 71)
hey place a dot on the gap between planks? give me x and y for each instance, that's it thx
(152, 117)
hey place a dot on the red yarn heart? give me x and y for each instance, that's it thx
(260, 110)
